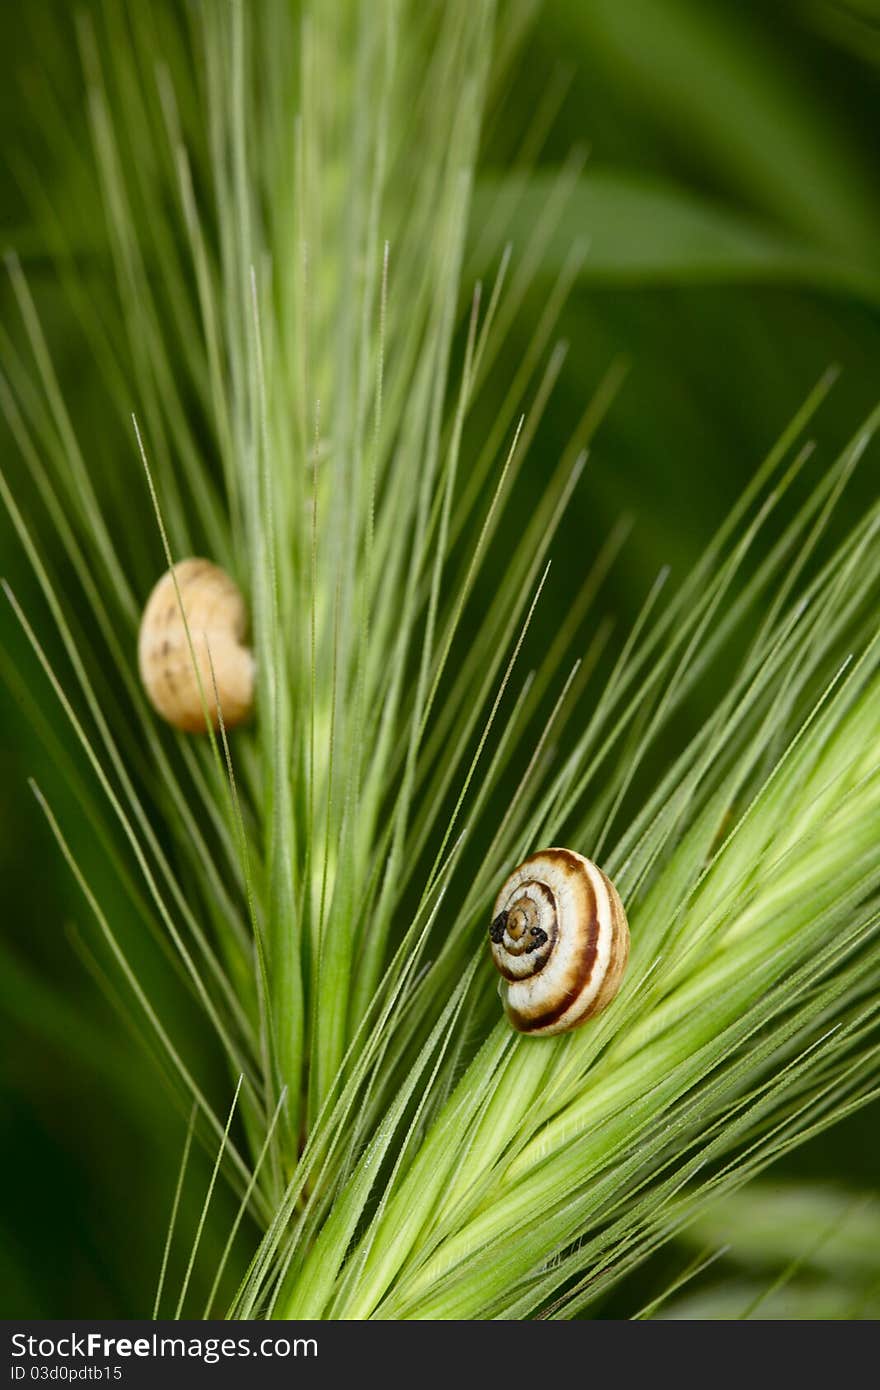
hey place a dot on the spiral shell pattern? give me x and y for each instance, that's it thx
(560, 938)
(217, 619)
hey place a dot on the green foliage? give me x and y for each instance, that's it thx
(298, 375)
(816, 1245)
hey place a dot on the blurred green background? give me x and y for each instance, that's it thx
(730, 204)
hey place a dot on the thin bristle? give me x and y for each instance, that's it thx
(309, 335)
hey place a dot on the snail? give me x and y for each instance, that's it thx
(560, 938)
(217, 620)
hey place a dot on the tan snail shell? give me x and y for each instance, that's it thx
(217, 621)
(560, 938)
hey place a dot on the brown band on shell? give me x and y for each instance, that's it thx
(619, 951)
(538, 964)
(584, 963)
(576, 970)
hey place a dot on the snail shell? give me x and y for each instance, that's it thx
(560, 938)
(217, 621)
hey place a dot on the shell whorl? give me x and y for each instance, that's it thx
(216, 616)
(560, 938)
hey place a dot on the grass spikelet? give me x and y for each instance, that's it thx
(285, 303)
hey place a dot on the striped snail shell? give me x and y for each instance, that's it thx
(217, 620)
(560, 938)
